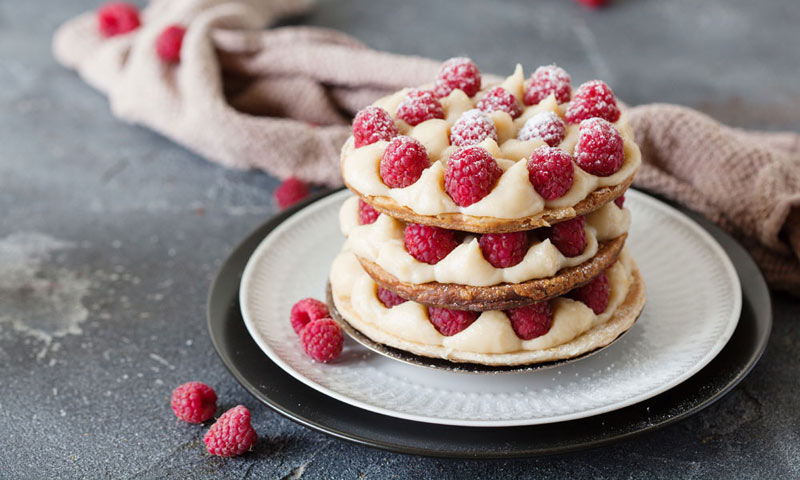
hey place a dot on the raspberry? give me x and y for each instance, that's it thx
(389, 298)
(231, 434)
(545, 125)
(449, 322)
(569, 237)
(291, 191)
(168, 43)
(594, 294)
(593, 3)
(458, 72)
(600, 147)
(428, 244)
(366, 214)
(620, 201)
(470, 175)
(403, 162)
(550, 171)
(194, 402)
(322, 339)
(371, 125)
(593, 99)
(305, 311)
(473, 126)
(418, 106)
(532, 320)
(499, 98)
(504, 250)
(546, 80)
(116, 18)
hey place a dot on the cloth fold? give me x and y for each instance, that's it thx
(281, 100)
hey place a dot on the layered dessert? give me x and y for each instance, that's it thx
(488, 221)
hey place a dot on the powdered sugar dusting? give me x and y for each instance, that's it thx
(458, 72)
(418, 106)
(474, 126)
(593, 99)
(600, 148)
(547, 80)
(371, 125)
(545, 125)
(500, 99)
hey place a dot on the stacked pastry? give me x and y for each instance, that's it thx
(488, 222)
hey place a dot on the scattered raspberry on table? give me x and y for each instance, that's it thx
(232, 434)
(291, 191)
(194, 402)
(305, 311)
(322, 340)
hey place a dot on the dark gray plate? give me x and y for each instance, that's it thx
(279, 391)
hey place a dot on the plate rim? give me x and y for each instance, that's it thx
(710, 354)
(223, 301)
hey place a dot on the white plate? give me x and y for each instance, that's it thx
(693, 305)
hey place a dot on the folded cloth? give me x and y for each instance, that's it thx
(278, 100)
(281, 100)
(747, 182)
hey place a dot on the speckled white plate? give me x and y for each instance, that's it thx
(693, 306)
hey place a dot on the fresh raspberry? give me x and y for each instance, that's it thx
(322, 339)
(168, 43)
(389, 298)
(428, 244)
(593, 3)
(473, 126)
(545, 125)
(116, 18)
(499, 98)
(594, 294)
(600, 147)
(546, 80)
(449, 322)
(458, 72)
(550, 171)
(291, 191)
(470, 175)
(366, 214)
(532, 320)
(231, 434)
(620, 201)
(593, 99)
(504, 250)
(569, 237)
(403, 162)
(305, 311)
(418, 106)
(194, 402)
(371, 125)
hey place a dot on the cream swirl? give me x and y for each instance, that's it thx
(382, 243)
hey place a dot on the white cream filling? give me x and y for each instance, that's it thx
(382, 243)
(490, 333)
(513, 196)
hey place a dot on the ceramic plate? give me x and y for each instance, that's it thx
(694, 303)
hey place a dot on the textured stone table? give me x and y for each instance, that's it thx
(110, 236)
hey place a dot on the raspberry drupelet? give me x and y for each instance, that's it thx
(594, 294)
(600, 148)
(168, 43)
(388, 298)
(322, 339)
(503, 250)
(545, 125)
(232, 434)
(366, 214)
(569, 237)
(194, 402)
(305, 311)
(428, 244)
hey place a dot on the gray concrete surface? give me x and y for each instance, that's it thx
(110, 236)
